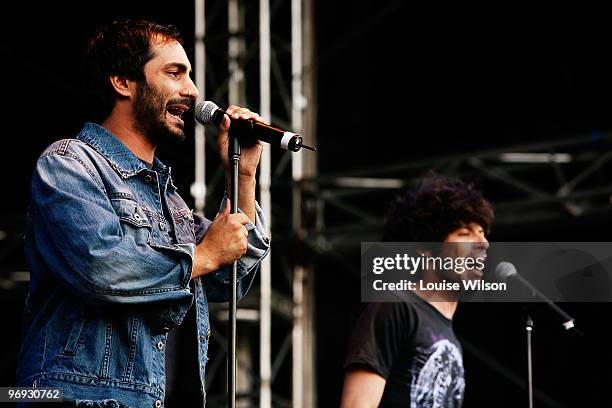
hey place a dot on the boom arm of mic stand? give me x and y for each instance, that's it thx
(568, 321)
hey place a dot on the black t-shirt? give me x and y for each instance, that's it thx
(413, 347)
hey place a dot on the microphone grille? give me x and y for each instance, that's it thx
(505, 270)
(204, 112)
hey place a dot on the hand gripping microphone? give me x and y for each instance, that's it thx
(248, 131)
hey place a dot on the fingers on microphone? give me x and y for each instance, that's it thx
(246, 114)
(232, 111)
(236, 112)
(226, 122)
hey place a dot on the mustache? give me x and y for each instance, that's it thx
(181, 101)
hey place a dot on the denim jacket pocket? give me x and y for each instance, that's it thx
(74, 336)
(133, 219)
(183, 219)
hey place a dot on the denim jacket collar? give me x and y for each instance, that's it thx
(122, 159)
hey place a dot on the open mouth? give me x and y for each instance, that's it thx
(177, 111)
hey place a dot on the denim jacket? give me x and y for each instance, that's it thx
(110, 276)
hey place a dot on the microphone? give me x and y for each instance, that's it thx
(248, 131)
(506, 271)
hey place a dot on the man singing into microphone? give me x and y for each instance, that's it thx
(116, 257)
(405, 353)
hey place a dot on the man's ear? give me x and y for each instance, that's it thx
(122, 85)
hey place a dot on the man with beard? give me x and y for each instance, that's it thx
(405, 353)
(116, 257)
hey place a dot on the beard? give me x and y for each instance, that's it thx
(149, 111)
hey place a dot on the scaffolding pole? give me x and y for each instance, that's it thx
(265, 305)
(198, 188)
(304, 395)
(302, 121)
(236, 49)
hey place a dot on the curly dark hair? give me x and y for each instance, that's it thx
(433, 208)
(122, 48)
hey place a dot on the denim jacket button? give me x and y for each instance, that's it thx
(162, 226)
(160, 345)
(158, 404)
(208, 333)
(149, 178)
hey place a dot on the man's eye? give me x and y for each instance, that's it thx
(173, 74)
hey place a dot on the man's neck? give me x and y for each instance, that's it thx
(122, 126)
(443, 301)
(446, 308)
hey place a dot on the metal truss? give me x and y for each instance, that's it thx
(527, 183)
(329, 215)
(226, 58)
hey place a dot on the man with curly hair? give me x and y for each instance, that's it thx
(405, 353)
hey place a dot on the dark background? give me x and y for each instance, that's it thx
(395, 83)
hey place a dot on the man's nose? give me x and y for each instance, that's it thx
(483, 243)
(190, 90)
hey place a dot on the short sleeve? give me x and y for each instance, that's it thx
(381, 332)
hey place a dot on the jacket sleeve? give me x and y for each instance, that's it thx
(80, 237)
(217, 283)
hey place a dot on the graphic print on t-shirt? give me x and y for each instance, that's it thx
(440, 382)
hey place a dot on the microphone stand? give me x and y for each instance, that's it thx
(529, 329)
(234, 158)
(568, 324)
